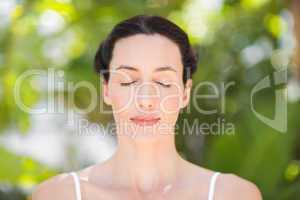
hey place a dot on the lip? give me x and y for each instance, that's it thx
(145, 120)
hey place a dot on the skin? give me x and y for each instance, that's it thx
(146, 164)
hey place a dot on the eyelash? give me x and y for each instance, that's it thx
(126, 84)
(164, 85)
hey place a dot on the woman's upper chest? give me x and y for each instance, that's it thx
(192, 192)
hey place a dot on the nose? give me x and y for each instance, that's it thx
(147, 97)
(146, 105)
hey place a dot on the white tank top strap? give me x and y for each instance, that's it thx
(77, 185)
(212, 186)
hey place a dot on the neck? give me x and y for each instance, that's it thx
(147, 164)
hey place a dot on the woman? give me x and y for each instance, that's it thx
(147, 65)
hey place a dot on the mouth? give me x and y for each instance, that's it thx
(145, 121)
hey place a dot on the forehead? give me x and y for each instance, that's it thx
(146, 52)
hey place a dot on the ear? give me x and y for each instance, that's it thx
(105, 93)
(186, 93)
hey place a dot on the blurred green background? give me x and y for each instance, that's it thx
(240, 41)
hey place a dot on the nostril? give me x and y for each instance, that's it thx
(149, 105)
(143, 105)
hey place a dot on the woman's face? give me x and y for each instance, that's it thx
(146, 82)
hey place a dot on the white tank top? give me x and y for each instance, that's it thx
(210, 192)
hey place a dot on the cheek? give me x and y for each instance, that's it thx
(170, 107)
(121, 100)
(170, 102)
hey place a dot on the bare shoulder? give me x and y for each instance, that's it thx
(58, 187)
(233, 187)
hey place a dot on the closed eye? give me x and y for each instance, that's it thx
(164, 85)
(126, 84)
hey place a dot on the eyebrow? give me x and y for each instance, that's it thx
(159, 69)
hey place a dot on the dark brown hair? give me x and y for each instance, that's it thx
(146, 24)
